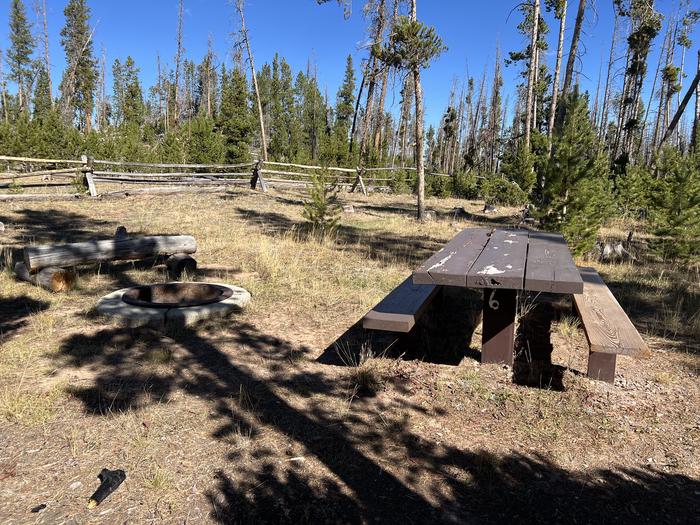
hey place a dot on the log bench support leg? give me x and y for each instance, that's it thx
(601, 366)
(498, 331)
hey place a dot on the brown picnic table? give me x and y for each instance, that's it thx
(502, 262)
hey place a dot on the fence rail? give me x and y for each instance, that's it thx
(165, 177)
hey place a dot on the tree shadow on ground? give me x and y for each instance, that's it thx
(15, 313)
(56, 226)
(369, 471)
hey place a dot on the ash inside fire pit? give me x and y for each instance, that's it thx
(176, 295)
(170, 305)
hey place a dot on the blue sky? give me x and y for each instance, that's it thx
(301, 30)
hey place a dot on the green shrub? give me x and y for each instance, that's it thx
(436, 186)
(496, 190)
(465, 186)
(322, 209)
(401, 181)
(633, 191)
(676, 205)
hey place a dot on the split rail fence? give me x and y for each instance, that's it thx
(49, 178)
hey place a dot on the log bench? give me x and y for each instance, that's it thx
(608, 329)
(400, 310)
(46, 265)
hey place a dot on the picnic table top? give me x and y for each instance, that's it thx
(495, 258)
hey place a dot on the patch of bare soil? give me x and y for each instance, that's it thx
(290, 413)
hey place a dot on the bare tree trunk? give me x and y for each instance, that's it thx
(531, 72)
(379, 121)
(662, 91)
(161, 112)
(102, 106)
(679, 112)
(246, 40)
(4, 92)
(454, 168)
(178, 59)
(41, 15)
(573, 50)
(373, 69)
(420, 164)
(622, 112)
(606, 106)
(557, 73)
(696, 119)
(357, 109)
(596, 103)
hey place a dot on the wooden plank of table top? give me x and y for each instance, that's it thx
(607, 327)
(449, 266)
(550, 267)
(502, 262)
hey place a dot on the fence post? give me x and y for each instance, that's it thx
(257, 177)
(358, 180)
(89, 167)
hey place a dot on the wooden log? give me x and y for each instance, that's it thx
(73, 254)
(178, 166)
(42, 161)
(24, 175)
(188, 182)
(91, 184)
(40, 197)
(304, 166)
(53, 279)
(174, 190)
(179, 264)
(140, 175)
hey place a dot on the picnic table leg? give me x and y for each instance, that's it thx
(601, 366)
(498, 331)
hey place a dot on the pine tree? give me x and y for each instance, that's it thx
(577, 193)
(129, 107)
(322, 208)
(234, 120)
(204, 144)
(20, 51)
(676, 204)
(344, 108)
(80, 76)
(42, 95)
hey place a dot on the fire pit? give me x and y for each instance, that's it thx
(170, 305)
(176, 295)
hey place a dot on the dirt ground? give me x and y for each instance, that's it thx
(289, 413)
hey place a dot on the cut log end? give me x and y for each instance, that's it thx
(52, 279)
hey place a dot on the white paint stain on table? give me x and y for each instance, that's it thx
(441, 262)
(490, 270)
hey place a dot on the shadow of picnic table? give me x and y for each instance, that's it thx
(370, 471)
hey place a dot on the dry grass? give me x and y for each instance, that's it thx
(238, 420)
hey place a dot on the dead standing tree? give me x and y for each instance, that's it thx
(178, 67)
(246, 42)
(560, 12)
(531, 73)
(373, 69)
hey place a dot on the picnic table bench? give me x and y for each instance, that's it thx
(504, 263)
